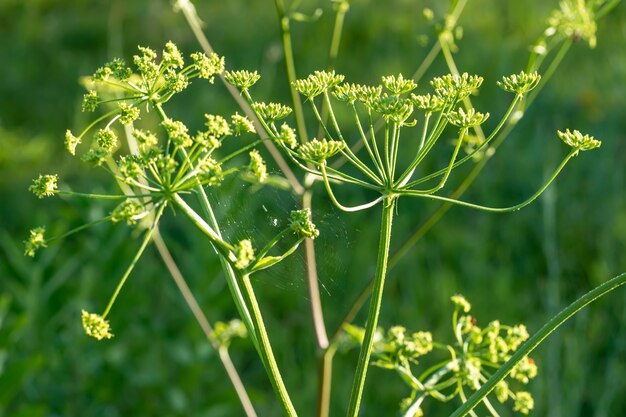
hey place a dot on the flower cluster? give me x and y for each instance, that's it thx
(96, 326)
(520, 83)
(476, 353)
(578, 141)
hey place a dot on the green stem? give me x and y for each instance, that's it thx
(143, 246)
(536, 339)
(291, 68)
(375, 304)
(498, 209)
(264, 345)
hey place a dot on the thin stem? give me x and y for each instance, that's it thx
(144, 244)
(375, 304)
(290, 66)
(264, 346)
(325, 382)
(528, 346)
(202, 320)
(337, 203)
(315, 300)
(498, 209)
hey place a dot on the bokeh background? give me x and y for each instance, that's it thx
(517, 267)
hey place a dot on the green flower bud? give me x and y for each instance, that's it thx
(217, 126)
(145, 139)
(516, 335)
(175, 82)
(146, 63)
(257, 166)
(520, 83)
(95, 156)
(393, 108)
(128, 113)
(452, 88)
(96, 326)
(523, 402)
(427, 102)
(302, 225)
(320, 150)
(461, 303)
(106, 140)
(35, 241)
(210, 171)
(44, 186)
(207, 140)
(271, 111)
(579, 141)
(71, 142)
(398, 85)
(208, 66)
(524, 370)
(177, 132)
(347, 92)
(288, 136)
(317, 83)
(368, 94)
(465, 120)
(172, 56)
(244, 254)
(90, 101)
(166, 164)
(130, 166)
(502, 391)
(129, 211)
(242, 79)
(242, 124)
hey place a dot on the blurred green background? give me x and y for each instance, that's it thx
(517, 267)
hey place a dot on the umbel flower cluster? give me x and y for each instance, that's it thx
(375, 157)
(162, 165)
(468, 362)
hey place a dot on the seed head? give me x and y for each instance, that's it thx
(106, 140)
(452, 88)
(427, 102)
(347, 92)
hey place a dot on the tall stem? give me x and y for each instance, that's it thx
(375, 303)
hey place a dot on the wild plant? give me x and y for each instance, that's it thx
(373, 137)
